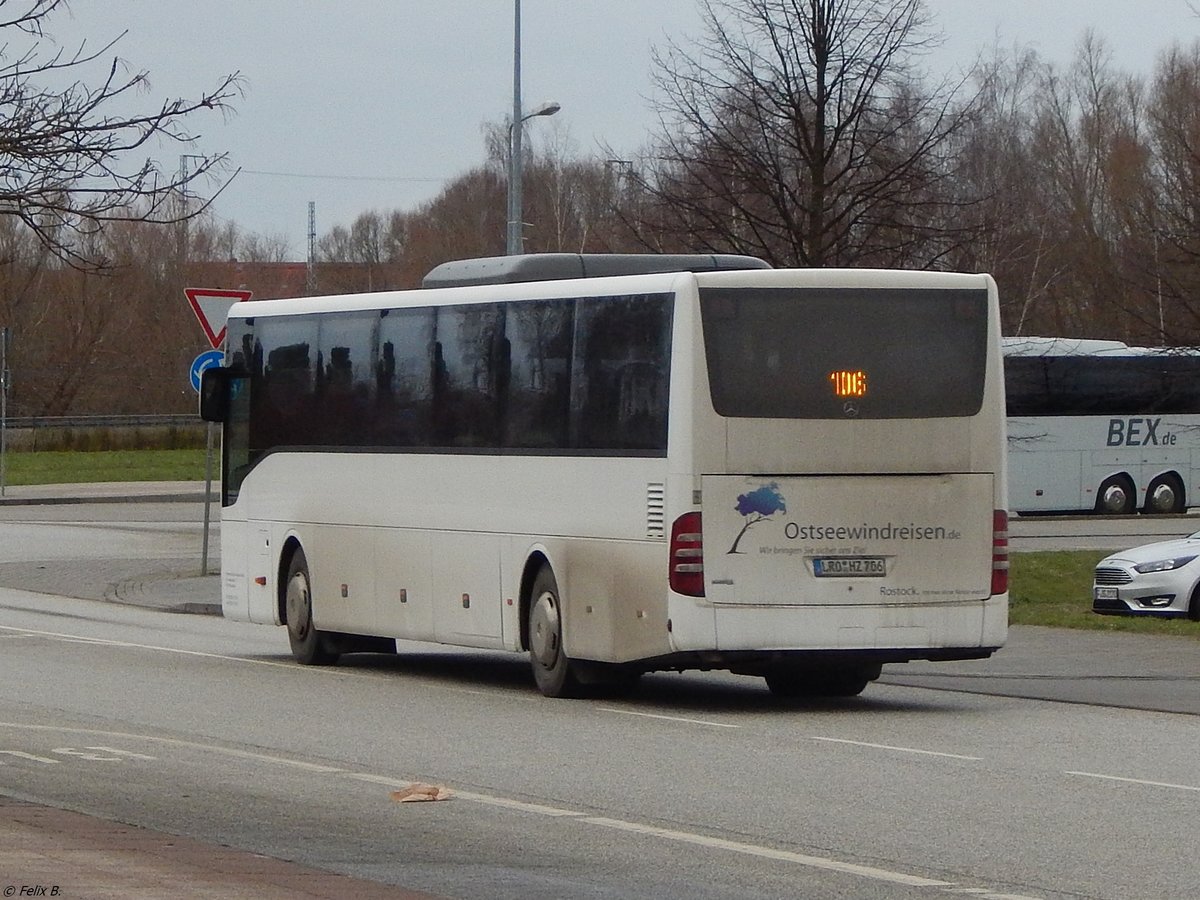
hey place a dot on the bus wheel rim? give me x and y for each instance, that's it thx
(544, 630)
(298, 609)
(1115, 498)
(1163, 498)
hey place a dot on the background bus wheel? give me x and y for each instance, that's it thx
(1165, 495)
(551, 667)
(309, 646)
(1116, 496)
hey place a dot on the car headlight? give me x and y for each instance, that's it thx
(1163, 565)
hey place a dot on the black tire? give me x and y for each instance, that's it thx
(310, 647)
(1194, 606)
(1165, 496)
(792, 683)
(605, 679)
(1116, 497)
(552, 669)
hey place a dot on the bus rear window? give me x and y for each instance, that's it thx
(802, 353)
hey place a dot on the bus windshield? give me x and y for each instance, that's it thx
(796, 353)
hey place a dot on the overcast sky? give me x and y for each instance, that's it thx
(375, 104)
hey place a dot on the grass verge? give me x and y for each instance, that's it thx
(73, 467)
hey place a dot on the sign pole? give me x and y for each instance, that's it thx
(5, 378)
(208, 454)
(211, 306)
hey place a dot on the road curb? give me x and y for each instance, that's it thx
(123, 498)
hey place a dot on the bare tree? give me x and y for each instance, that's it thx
(464, 220)
(997, 164)
(1089, 174)
(70, 157)
(800, 131)
(1172, 231)
(369, 250)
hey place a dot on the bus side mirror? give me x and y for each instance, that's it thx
(214, 393)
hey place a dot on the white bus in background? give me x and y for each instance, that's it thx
(1101, 426)
(710, 464)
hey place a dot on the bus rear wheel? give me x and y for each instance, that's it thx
(793, 682)
(1165, 495)
(1116, 496)
(552, 669)
(310, 647)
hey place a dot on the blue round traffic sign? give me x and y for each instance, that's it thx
(205, 360)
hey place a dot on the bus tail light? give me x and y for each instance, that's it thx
(999, 551)
(687, 556)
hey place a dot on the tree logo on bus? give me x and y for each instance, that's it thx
(757, 506)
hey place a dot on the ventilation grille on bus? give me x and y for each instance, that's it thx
(655, 510)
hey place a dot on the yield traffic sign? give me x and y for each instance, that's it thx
(211, 306)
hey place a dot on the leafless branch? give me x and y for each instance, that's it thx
(74, 158)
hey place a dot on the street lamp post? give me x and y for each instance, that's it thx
(183, 204)
(516, 240)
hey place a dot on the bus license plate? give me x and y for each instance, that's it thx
(849, 566)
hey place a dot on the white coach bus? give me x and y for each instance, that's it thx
(792, 474)
(1101, 426)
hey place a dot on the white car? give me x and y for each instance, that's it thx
(1159, 579)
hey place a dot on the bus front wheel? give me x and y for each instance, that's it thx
(309, 646)
(552, 670)
(1116, 496)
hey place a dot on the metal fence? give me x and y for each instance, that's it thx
(101, 432)
(163, 421)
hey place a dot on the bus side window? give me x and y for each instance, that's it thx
(536, 409)
(620, 375)
(406, 380)
(345, 382)
(466, 404)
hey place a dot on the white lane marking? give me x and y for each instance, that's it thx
(815, 862)
(176, 742)
(78, 639)
(1162, 784)
(129, 754)
(629, 712)
(20, 754)
(486, 799)
(830, 740)
(507, 803)
(90, 755)
(378, 779)
(111, 754)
